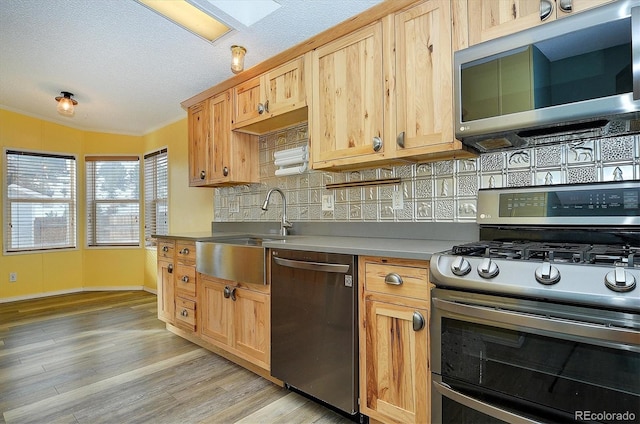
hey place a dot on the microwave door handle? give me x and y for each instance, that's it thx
(635, 50)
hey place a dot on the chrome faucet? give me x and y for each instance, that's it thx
(284, 223)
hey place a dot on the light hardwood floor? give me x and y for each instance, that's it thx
(104, 357)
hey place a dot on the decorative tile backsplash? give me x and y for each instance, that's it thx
(443, 191)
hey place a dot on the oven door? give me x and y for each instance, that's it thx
(497, 359)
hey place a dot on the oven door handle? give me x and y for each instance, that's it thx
(619, 337)
(480, 406)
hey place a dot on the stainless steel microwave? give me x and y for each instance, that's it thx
(572, 74)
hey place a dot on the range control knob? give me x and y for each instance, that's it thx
(547, 274)
(620, 280)
(460, 266)
(488, 268)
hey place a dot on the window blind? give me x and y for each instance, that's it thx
(39, 201)
(156, 195)
(113, 200)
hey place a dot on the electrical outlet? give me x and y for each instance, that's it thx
(397, 200)
(234, 207)
(327, 202)
(13, 277)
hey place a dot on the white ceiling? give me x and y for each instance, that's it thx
(128, 67)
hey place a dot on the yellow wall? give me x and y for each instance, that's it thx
(190, 209)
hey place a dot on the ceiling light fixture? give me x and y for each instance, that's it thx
(189, 17)
(237, 59)
(66, 105)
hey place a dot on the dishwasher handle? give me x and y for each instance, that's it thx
(312, 266)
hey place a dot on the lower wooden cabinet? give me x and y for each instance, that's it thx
(176, 283)
(236, 318)
(395, 377)
(165, 284)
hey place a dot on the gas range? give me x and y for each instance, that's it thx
(575, 244)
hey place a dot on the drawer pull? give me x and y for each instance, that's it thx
(227, 292)
(170, 269)
(165, 249)
(184, 251)
(233, 294)
(185, 279)
(184, 313)
(393, 279)
(418, 321)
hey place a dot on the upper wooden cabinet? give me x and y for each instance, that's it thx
(272, 100)
(218, 156)
(423, 79)
(384, 94)
(489, 19)
(347, 119)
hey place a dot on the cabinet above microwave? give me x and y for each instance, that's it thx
(572, 73)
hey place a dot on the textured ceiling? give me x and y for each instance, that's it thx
(128, 67)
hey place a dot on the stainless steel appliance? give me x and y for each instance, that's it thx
(314, 330)
(540, 320)
(572, 74)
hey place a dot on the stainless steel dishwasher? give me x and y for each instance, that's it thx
(314, 330)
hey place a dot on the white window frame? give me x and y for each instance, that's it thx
(91, 238)
(72, 230)
(152, 186)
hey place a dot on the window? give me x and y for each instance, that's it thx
(40, 201)
(113, 200)
(156, 195)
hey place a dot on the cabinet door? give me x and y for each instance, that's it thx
(199, 144)
(348, 99)
(220, 168)
(252, 318)
(215, 313)
(284, 87)
(247, 96)
(166, 292)
(424, 118)
(394, 383)
(489, 19)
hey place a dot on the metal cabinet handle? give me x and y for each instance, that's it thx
(184, 313)
(227, 292)
(266, 106)
(566, 6)
(184, 251)
(165, 249)
(203, 175)
(400, 139)
(418, 321)
(185, 279)
(393, 279)
(233, 294)
(377, 144)
(546, 9)
(225, 171)
(261, 109)
(170, 269)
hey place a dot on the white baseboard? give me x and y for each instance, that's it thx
(78, 290)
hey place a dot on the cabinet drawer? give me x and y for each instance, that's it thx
(397, 280)
(186, 313)
(186, 280)
(186, 253)
(166, 249)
